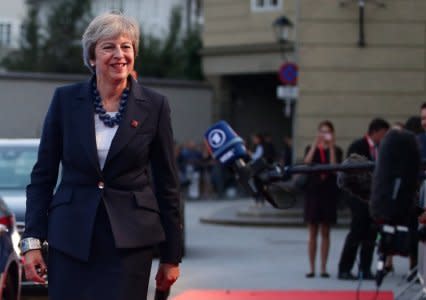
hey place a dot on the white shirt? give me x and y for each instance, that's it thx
(104, 136)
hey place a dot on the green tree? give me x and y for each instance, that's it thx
(192, 45)
(61, 49)
(27, 57)
(177, 56)
(55, 45)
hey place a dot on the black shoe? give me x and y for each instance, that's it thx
(325, 275)
(310, 275)
(368, 276)
(346, 276)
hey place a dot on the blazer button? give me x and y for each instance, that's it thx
(101, 185)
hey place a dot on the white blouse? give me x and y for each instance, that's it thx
(104, 136)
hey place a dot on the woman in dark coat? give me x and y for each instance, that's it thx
(321, 195)
(119, 192)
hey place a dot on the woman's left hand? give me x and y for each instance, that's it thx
(167, 274)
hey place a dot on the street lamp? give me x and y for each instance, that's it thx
(361, 7)
(282, 26)
(287, 92)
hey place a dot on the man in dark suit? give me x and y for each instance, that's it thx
(362, 232)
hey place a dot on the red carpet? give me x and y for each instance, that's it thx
(282, 295)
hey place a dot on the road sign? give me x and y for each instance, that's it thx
(288, 74)
(287, 92)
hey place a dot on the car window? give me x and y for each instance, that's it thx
(16, 163)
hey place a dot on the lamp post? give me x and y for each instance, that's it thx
(282, 26)
(288, 71)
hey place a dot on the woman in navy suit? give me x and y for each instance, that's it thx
(119, 194)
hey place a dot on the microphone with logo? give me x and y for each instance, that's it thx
(229, 149)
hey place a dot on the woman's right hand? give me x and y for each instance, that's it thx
(317, 140)
(34, 266)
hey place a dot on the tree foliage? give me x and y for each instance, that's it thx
(175, 56)
(27, 57)
(61, 48)
(54, 45)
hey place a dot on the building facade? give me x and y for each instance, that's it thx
(12, 14)
(338, 80)
(241, 58)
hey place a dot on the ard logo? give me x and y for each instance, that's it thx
(216, 138)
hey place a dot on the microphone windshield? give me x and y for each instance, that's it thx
(395, 178)
(224, 144)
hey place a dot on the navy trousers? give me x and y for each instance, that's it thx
(110, 273)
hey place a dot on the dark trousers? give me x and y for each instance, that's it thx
(110, 273)
(362, 234)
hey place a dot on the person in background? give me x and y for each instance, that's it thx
(118, 194)
(286, 157)
(258, 150)
(321, 195)
(422, 136)
(192, 158)
(269, 151)
(362, 233)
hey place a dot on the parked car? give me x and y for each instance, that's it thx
(10, 271)
(17, 158)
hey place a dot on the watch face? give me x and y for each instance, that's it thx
(29, 244)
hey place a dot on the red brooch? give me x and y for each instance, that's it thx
(134, 123)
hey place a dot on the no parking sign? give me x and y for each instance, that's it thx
(288, 73)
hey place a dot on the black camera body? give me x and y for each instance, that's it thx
(394, 240)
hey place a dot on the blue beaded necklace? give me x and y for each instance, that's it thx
(100, 110)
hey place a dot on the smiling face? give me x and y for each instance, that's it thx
(114, 59)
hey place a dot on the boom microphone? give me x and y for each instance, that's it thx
(260, 179)
(395, 178)
(228, 148)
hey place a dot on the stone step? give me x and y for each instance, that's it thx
(251, 215)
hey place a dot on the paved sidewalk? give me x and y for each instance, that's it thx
(260, 258)
(223, 257)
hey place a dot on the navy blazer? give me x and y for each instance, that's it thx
(141, 212)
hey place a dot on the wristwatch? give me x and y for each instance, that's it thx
(28, 244)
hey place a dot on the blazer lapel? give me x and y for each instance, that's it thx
(83, 116)
(135, 116)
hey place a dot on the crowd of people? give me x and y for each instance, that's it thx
(206, 178)
(322, 194)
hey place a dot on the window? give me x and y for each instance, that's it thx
(5, 33)
(266, 5)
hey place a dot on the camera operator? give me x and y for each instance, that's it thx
(362, 232)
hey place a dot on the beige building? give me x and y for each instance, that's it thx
(338, 80)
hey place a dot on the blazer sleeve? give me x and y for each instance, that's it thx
(44, 174)
(166, 184)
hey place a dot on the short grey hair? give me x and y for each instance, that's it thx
(108, 25)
